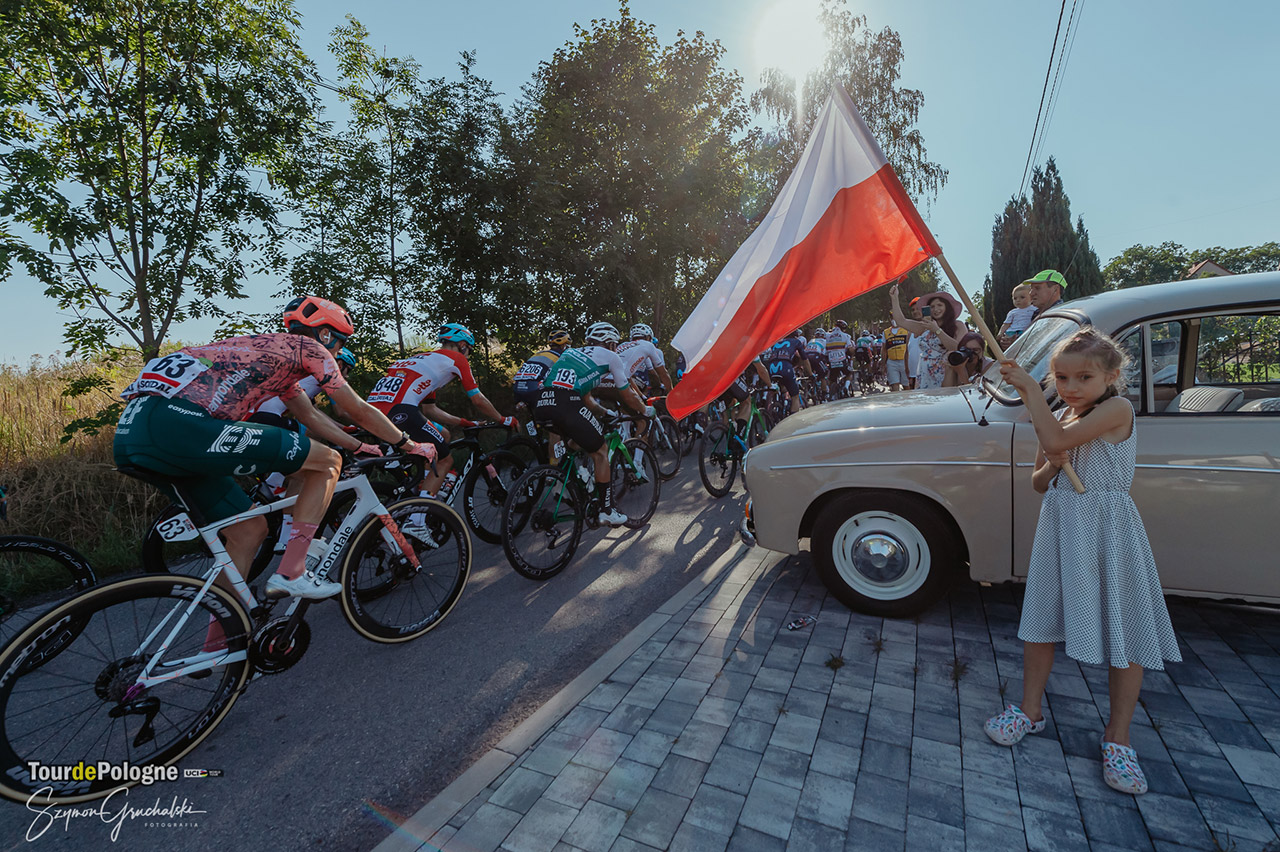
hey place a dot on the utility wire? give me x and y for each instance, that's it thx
(1040, 109)
(1064, 56)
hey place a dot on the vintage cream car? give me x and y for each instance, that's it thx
(897, 493)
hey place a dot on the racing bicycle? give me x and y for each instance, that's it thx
(722, 449)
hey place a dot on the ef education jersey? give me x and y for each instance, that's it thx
(229, 378)
(415, 379)
(582, 369)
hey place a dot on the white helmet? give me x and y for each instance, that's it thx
(603, 332)
(817, 332)
(641, 330)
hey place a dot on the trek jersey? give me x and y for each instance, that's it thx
(275, 405)
(580, 370)
(837, 343)
(415, 379)
(895, 343)
(638, 355)
(786, 350)
(528, 379)
(230, 378)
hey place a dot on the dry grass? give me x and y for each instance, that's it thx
(68, 491)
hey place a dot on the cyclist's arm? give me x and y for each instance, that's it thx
(596, 408)
(632, 399)
(364, 415)
(485, 407)
(664, 377)
(762, 372)
(439, 415)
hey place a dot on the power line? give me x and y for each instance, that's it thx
(1040, 109)
(1064, 56)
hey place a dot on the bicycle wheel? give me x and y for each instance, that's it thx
(81, 701)
(173, 546)
(664, 440)
(36, 575)
(485, 491)
(528, 449)
(636, 488)
(542, 522)
(717, 463)
(384, 597)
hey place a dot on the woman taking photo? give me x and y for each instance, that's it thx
(939, 333)
(967, 361)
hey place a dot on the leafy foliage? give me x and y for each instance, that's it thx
(1139, 265)
(130, 132)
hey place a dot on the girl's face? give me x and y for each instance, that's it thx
(1021, 298)
(938, 309)
(1080, 380)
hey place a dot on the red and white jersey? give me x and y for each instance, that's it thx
(275, 405)
(415, 379)
(639, 355)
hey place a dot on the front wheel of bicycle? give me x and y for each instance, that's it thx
(79, 700)
(386, 597)
(485, 491)
(542, 522)
(636, 486)
(717, 461)
(664, 438)
(36, 575)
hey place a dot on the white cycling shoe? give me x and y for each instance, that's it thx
(612, 518)
(305, 585)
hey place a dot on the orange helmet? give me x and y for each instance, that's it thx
(314, 312)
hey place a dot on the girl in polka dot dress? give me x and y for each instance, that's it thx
(1092, 582)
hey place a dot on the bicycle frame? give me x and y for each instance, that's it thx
(367, 504)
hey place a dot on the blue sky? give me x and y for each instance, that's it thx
(1164, 127)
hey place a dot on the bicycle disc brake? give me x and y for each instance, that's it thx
(268, 651)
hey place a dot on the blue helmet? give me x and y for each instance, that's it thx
(456, 333)
(347, 357)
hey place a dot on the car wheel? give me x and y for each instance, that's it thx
(884, 554)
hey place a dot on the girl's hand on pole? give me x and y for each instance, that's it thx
(1058, 460)
(1019, 378)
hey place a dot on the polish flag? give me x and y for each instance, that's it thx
(842, 225)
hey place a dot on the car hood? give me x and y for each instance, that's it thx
(937, 406)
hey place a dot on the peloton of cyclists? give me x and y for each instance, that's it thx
(407, 395)
(566, 403)
(186, 417)
(781, 360)
(815, 352)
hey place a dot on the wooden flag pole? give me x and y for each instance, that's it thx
(995, 348)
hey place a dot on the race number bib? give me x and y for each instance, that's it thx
(565, 378)
(528, 373)
(387, 388)
(166, 376)
(178, 528)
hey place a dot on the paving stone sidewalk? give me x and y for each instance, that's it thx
(726, 730)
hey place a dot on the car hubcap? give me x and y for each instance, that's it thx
(881, 555)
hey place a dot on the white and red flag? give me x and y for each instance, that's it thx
(842, 225)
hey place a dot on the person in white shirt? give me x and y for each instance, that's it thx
(1019, 318)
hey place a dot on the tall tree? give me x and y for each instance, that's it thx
(1037, 234)
(133, 137)
(633, 154)
(380, 91)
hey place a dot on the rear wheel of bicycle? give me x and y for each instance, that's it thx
(665, 442)
(36, 575)
(717, 463)
(542, 522)
(485, 491)
(636, 488)
(66, 702)
(385, 597)
(189, 555)
(528, 449)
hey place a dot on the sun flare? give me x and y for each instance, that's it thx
(789, 37)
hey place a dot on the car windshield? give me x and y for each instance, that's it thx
(1032, 350)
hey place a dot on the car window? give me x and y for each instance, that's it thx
(1166, 343)
(1238, 350)
(1032, 350)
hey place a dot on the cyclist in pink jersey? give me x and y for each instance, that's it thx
(185, 418)
(407, 395)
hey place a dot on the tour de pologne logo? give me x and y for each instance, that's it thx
(114, 809)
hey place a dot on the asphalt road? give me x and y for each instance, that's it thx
(334, 752)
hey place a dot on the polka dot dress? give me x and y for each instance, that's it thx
(1092, 582)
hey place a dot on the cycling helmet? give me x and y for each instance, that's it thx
(842, 325)
(641, 330)
(313, 312)
(819, 332)
(799, 332)
(456, 333)
(603, 332)
(559, 337)
(347, 357)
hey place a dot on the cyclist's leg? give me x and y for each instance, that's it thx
(574, 420)
(415, 424)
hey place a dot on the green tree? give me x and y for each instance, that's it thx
(380, 91)
(1038, 234)
(133, 136)
(633, 157)
(1169, 261)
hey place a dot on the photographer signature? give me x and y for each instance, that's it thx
(46, 817)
